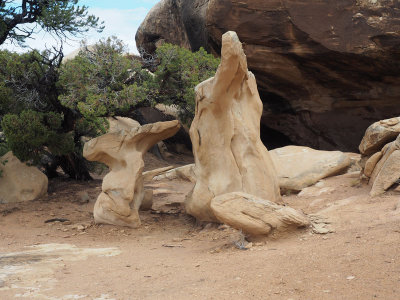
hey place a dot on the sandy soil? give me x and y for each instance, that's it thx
(173, 257)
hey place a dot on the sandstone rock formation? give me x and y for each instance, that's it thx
(379, 134)
(122, 149)
(382, 164)
(254, 215)
(298, 167)
(184, 173)
(225, 133)
(19, 182)
(324, 69)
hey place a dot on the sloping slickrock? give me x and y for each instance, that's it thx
(298, 167)
(379, 134)
(20, 182)
(225, 133)
(122, 150)
(324, 69)
(254, 215)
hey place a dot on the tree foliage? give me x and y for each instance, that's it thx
(48, 107)
(58, 17)
(178, 72)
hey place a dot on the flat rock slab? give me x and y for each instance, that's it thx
(298, 167)
(254, 215)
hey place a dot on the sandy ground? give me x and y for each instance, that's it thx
(173, 257)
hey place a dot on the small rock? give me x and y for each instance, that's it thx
(320, 228)
(176, 240)
(350, 277)
(249, 245)
(83, 197)
(223, 227)
(80, 227)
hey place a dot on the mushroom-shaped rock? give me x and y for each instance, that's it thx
(225, 133)
(254, 215)
(379, 134)
(122, 149)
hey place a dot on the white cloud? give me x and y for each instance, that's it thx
(123, 23)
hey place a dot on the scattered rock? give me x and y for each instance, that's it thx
(20, 182)
(122, 149)
(232, 158)
(298, 167)
(254, 215)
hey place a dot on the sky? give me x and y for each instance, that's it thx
(121, 18)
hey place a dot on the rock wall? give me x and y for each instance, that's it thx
(325, 69)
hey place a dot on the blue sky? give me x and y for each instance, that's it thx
(121, 17)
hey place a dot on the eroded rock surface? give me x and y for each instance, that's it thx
(379, 134)
(324, 69)
(122, 149)
(298, 167)
(382, 163)
(19, 182)
(225, 133)
(254, 215)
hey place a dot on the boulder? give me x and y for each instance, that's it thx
(225, 133)
(298, 167)
(388, 175)
(371, 163)
(122, 150)
(324, 69)
(379, 134)
(254, 215)
(19, 182)
(386, 151)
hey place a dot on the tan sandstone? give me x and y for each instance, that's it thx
(254, 215)
(379, 134)
(19, 182)
(388, 175)
(298, 167)
(122, 149)
(225, 133)
(386, 152)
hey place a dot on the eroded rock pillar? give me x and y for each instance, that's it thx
(122, 150)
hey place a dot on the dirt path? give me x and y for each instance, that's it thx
(173, 257)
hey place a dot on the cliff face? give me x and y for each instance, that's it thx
(325, 69)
